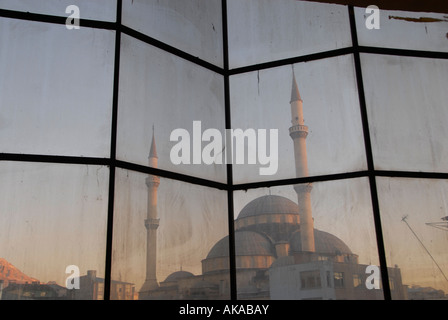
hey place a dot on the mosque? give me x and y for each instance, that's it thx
(279, 254)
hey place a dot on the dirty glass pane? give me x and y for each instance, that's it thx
(193, 26)
(415, 227)
(264, 30)
(179, 100)
(331, 126)
(406, 101)
(403, 30)
(88, 9)
(56, 89)
(53, 216)
(306, 242)
(163, 231)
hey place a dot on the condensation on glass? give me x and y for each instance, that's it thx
(56, 89)
(406, 103)
(331, 126)
(53, 216)
(426, 31)
(415, 226)
(92, 10)
(312, 241)
(263, 30)
(159, 95)
(163, 232)
(193, 26)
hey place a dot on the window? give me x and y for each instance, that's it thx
(186, 232)
(222, 149)
(328, 276)
(357, 280)
(338, 279)
(43, 113)
(310, 279)
(391, 284)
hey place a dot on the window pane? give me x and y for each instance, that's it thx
(193, 26)
(264, 30)
(91, 10)
(406, 100)
(414, 223)
(183, 221)
(53, 216)
(56, 89)
(326, 92)
(404, 30)
(281, 255)
(170, 94)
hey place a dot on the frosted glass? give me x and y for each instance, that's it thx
(193, 26)
(264, 30)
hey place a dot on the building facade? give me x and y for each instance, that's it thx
(279, 254)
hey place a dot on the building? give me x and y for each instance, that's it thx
(91, 287)
(425, 293)
(32, 291)
(279, 254)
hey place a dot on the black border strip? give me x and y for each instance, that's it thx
(170, 175)
(411, 174)
(292, 181)
(369, 155)
(228, 125)
(288, 61)
(56, 159)
(113, 150)
(112, 163)
(170, 49)
(21, 157)
(404, 52)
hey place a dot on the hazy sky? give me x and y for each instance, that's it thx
(52, 216)
(56, 98)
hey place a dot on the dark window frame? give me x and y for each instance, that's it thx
(371, 173)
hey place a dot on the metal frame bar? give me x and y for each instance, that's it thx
(113, 163)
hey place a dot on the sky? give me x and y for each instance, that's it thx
(58, 100)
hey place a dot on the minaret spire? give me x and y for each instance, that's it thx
(295, 94)
(153, 149)
(298, 132)
(151, 224)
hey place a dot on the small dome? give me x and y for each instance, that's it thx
(325, 243)
(270, 204)
(247, 243)
(175, 276)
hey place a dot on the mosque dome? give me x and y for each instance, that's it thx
(263, 226)
(325, 243)
(175, 276)
(247, 243)
(253, 250)
(269, 204)
(272, 215)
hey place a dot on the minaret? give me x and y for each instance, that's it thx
(298, 132)
(151, 224)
